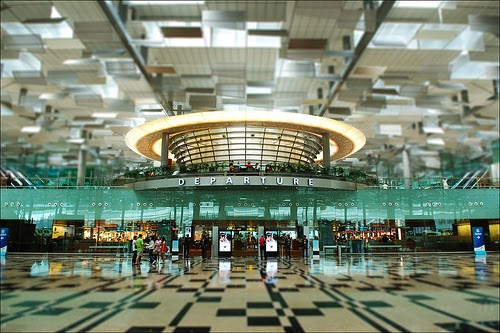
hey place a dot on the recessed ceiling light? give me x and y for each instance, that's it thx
(163, 3)
(31, 129)
(107, 115)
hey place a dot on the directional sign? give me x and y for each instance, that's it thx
(478, 239)
(4, 236)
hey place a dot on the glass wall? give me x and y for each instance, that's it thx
(113, 216)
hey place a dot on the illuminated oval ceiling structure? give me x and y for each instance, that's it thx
(241, 136)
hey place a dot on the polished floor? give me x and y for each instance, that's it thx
(360, 293)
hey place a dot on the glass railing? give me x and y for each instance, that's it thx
(335, 173)
(426, 183)
(284, 169)
(55, 183)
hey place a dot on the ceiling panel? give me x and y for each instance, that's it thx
(389, 93)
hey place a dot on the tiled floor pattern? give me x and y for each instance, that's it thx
(359, 293)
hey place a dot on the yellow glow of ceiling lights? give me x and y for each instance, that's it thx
(145, 139)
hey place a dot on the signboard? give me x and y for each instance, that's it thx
(478, 239)
(242, 180)
(187, 232)
(271, 241)
(225, 241)
(4, 237)
(175, 246)
(315, 245)
(315, 248)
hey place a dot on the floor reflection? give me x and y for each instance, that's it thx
(351, 293)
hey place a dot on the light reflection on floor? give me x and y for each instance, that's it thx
(389, 292)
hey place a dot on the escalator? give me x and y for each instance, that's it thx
(462, 181)
(478, 180)
(471, 179)
(14, 178)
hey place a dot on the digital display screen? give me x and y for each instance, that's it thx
(272, 241)
(224, 241)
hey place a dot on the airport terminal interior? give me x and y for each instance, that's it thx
(304, 166)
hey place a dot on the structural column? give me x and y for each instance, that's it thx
(215, 241)
(164, 149)
(406, 168)
(326, 149)
(260, 232)
(82, 161)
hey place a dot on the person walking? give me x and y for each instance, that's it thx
(262, 246)
(140, 248)
(288, 244)
(163, 249)
(305, 246)
(134, 250)
(186, 246)
(157, 248)
(150, 245)
(203, 244)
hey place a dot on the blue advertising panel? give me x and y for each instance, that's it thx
(478, 239)
(174, 251)
(315, 248)
(4, 237)
(315, 245)
(175, 246)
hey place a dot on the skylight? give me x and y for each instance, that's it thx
(259, 90)
(419, 4)
(228, 38)
(395, 34)
(163, 3)
(185, 42)
(61, 30)
(264, 41)
(25, 62)
(264, 25)
(54, 13)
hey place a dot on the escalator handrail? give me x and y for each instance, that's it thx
(480, 178)
(472, 178)
(462, 179)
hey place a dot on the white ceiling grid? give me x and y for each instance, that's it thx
(407, 96)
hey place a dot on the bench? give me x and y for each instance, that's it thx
(388, 246)
(333, 247)
(107, 247)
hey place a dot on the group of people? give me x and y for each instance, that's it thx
(287, 242)
(156, 247)
(203, 245)
(236, 167)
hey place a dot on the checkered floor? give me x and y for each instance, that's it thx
(359, 293)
